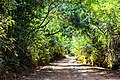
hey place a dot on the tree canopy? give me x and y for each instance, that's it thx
(36, 32)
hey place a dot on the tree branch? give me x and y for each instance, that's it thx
(49, 9)
(52, 33)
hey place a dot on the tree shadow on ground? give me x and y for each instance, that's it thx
(79, 72)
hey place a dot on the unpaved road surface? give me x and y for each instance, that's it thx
(69, 69)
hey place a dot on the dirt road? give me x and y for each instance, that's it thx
(69, 69)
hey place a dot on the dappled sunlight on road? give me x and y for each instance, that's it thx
(69, 69)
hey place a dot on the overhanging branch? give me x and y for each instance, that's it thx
(49, 9)
(52, 33)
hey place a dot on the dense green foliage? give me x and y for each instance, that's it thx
(36, 32)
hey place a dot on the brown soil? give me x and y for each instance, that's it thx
(69, 69)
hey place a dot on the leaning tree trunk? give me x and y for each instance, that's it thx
(111, 52)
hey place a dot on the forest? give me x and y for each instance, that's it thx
(37, 32)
